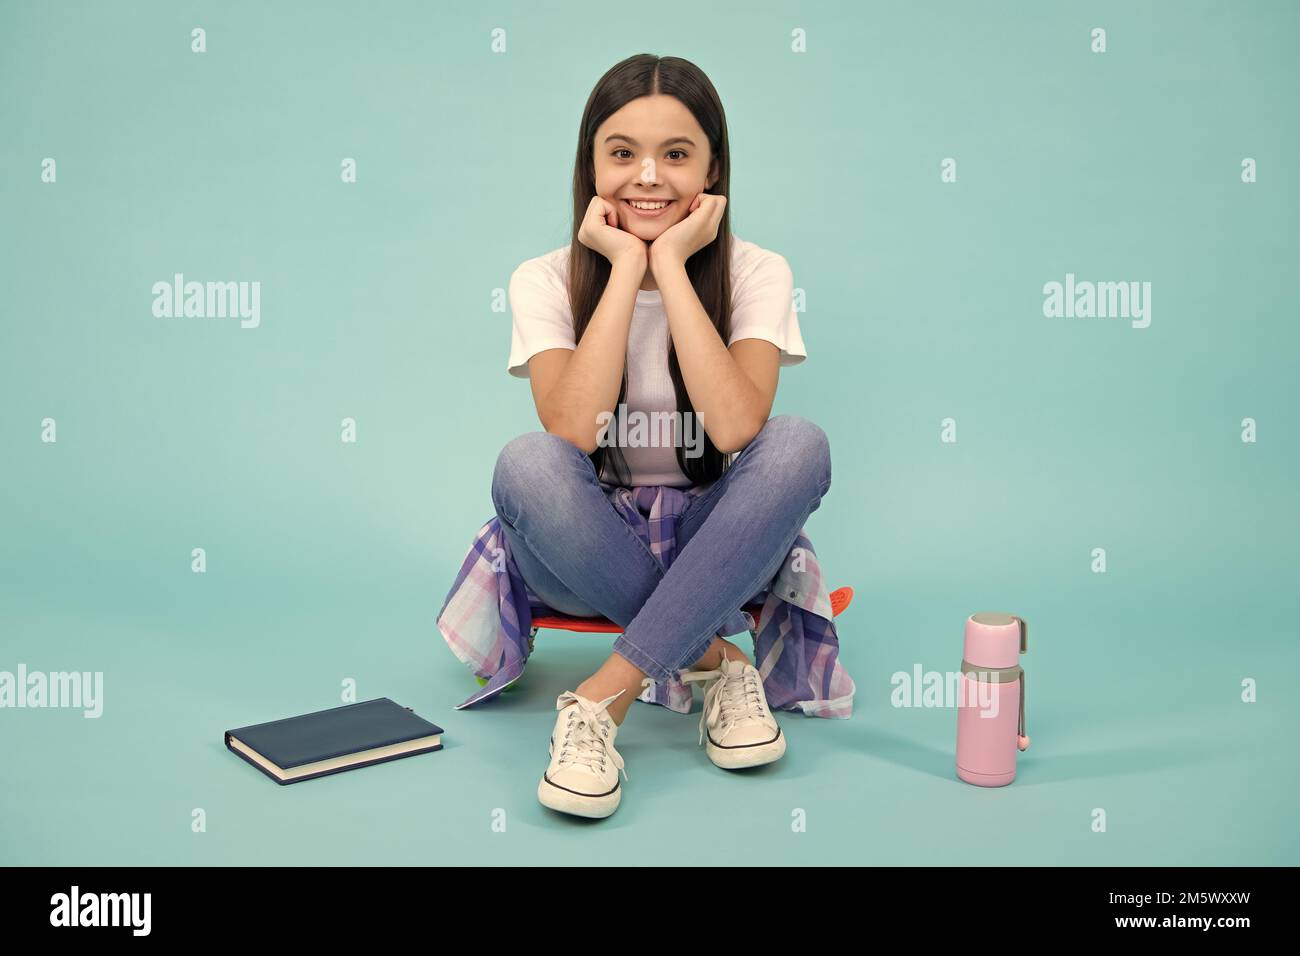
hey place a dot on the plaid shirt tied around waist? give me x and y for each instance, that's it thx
(488, 614)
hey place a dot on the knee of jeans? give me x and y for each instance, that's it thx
(805, 449)
(521, 465)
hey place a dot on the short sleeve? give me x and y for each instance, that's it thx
(762, 307)
(540, 315)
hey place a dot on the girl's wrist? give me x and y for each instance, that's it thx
(663, 262)
(632, 263)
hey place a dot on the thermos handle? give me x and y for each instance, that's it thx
(1021, 740)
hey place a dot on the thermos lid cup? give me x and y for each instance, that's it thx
(995, 640)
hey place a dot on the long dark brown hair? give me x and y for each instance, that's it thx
(709, 269)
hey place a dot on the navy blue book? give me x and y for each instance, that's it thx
(334, 740)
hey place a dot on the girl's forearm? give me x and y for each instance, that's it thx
(593, 375)
(729, 405)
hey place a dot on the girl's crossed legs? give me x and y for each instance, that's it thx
(580, 557)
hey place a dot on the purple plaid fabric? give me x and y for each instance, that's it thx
(488, 614)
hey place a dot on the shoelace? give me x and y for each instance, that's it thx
(736, 697)
(586, 739)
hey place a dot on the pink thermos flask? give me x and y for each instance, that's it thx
(991, 702)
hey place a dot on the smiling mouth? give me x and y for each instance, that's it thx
(649, 211)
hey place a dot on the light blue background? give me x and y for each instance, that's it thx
(329, 561)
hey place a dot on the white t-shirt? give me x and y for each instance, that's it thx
(762, 308)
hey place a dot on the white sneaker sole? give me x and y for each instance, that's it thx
(578, 804)
(736, 758)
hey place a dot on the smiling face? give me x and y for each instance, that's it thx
(652, 149)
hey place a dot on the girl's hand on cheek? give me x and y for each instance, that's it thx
(697, 229)
(601, 233)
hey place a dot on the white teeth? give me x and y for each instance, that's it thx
(648, 205)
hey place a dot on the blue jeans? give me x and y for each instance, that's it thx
(580, 557)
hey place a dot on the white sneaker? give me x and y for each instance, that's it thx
(741, 729)
(582, 778)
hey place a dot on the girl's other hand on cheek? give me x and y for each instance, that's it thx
(697, 229)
